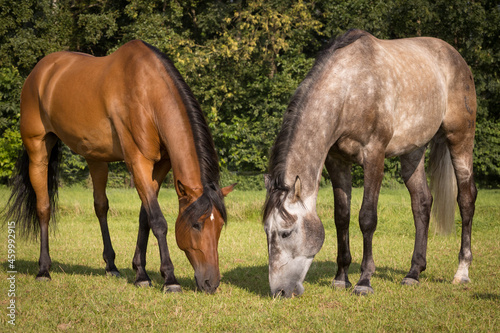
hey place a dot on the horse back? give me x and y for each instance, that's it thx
(90, 102)
(403, 88)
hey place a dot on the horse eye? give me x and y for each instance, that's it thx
(286, 234)
(197, 226)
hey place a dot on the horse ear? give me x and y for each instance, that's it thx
(228, 189)
(267, 181)
(297, 187)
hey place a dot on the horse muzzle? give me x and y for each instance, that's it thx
(289, 291)
(207, 282)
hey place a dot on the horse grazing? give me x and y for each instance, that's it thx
(132, 105)
(366, 99)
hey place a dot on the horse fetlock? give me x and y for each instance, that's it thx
(462, 274)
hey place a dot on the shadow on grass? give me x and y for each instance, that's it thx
(251, 278)
(31, 268)
(487, 296)
(255, 278)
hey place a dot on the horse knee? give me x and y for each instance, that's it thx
(159, 227)
(342, 216)
(367, 220)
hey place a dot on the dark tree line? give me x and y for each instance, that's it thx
(243, 59)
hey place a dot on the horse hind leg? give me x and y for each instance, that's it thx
(39, 152)
(462, 163)
(99, 175)
(139, 261)
(413, 173)
(459, 127)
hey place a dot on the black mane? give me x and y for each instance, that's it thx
(277, 189)
(204, 145)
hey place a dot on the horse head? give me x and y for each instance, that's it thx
(294, 235)
(197, 231)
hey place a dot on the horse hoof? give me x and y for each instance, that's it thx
(113, 273)
(43, 277)
(409, 282)
(143, 284)
(172, 288)
(363, 290)
(461, 280)
(337, 284)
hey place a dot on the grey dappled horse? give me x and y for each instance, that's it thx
(366, 99)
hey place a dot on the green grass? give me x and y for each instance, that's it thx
(81, 298)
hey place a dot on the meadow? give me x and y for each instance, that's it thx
(80, 298)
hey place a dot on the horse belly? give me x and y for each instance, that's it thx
(83, 125)
(93, 138)
(415, 127)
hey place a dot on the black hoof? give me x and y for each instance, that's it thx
(143, 284)
(113, 273)
(45, 276)
(338, 284)
(172, 288)
(409, 282)
(363, 290)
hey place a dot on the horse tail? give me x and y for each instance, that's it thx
(21, 206)
(443, 185)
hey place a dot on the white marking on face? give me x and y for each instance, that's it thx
(212, 217)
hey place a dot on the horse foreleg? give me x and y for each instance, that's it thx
(373, 166)
(340, 175)
(99, 175)
(148, 178)
(413, 173)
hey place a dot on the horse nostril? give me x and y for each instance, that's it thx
(207, 284)
(280, 293)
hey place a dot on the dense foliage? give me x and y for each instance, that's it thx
(243, 59)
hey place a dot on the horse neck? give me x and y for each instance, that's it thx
(176, 135)
(316, 131)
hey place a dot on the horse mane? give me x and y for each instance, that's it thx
(204, 145)
(277, 190)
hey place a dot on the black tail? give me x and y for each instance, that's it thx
(21, 206)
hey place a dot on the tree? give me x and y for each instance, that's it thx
(244, 59)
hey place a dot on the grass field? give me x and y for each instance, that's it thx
(81, 298)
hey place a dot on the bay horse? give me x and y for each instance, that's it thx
(132, 106)
(366, 99)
